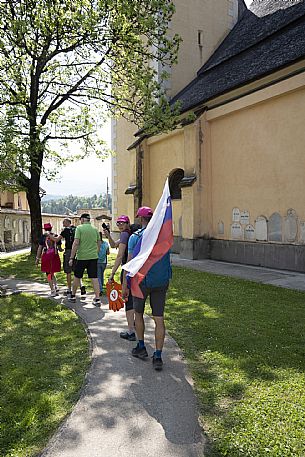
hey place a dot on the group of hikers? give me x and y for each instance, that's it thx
(86, 249)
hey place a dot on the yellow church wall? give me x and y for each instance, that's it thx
(213, 19)
(162, 155)
(257, 159)
(124, 168)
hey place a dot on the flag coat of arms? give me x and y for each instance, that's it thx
(155, 242)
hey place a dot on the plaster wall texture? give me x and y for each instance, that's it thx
(257, 160)
(214, 20)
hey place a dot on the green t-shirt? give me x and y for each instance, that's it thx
(88, 237)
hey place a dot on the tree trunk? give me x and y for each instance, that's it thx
(33, 197)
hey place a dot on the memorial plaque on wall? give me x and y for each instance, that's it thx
(261, 228)
(250, 233)
(275, 227)
(302, 232)
(221, 228)
(236, 232)
(245, 217)
(235, 215)
(291, 225)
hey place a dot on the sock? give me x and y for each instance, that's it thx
(130, 332)
(158, 354)
(141, 344)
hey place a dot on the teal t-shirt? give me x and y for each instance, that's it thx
(88, 237)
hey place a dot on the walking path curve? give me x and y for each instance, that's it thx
(126, 407)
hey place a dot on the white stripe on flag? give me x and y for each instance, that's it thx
(150, 234)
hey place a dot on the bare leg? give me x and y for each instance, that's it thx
(96, 287)
(130, 316)
(75, 286)
(159, 332)
(51, 283)
(69, 281)
(140, 326)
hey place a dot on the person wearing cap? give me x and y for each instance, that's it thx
(123, 224)
(154, 285)
(50, 261)
(67, 234)
(87, 245)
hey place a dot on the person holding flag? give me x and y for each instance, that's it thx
(149, 271)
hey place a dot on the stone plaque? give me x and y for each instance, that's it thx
(275, 227)
(302, 232)
(221, 228)
(235, 215)
(236, 231)
(250, 233)
(261, 228)
(20, 225)
(291, 226)
(245, 217)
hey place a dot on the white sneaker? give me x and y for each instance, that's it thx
(96, 302)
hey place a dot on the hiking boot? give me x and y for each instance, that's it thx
(72, 298)
(53, 293)
(138, 352)
(96, 302)
(128, 336)
(67, 292)
(83, 290)
(157, 363)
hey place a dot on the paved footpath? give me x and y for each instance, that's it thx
(126, 408)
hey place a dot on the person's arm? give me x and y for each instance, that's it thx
(38, 255)
(125, 290)
(118, 260)
(74, 250)
(55, 238)
(113, 244)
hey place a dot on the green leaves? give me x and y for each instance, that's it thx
(64, 65)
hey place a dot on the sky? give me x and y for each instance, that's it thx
(83, 178)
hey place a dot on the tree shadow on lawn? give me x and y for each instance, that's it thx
(44, 357)
(126, 401)
(252, 330)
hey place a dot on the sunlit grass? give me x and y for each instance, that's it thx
(44, 355)
(245, 345)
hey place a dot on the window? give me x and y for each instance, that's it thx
(200, 38)
(175, 178)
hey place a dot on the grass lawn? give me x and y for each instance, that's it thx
(43, 357)
(245, 344)
(23, 266)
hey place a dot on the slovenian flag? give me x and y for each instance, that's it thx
(156, 241)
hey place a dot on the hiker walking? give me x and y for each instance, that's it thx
(86, 246)
(47, 252)
(68, 234)
(123, 224)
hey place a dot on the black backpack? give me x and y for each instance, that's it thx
(72, 230)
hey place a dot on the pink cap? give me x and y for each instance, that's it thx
(47, 226)
(144, 211)
(123, 219)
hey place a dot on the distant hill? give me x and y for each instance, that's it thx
(48, 198)
(56, 204)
